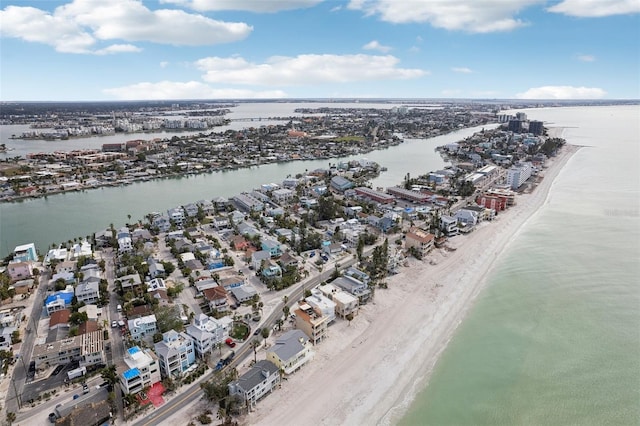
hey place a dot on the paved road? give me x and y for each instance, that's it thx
(116, 354)
(20, 370)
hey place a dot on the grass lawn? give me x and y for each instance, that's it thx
(240, 331)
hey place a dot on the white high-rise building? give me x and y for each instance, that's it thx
(518, 174)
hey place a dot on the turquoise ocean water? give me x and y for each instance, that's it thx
(554, 338)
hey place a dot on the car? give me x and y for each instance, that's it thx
(258, 331)
(229, 342)
(114, 324)
(52, 417)
(313, 253)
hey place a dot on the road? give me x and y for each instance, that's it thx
(116, 355)
(20, 371)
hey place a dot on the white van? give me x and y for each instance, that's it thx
(119, 308)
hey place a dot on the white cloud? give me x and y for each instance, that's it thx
(164, 64)
(305, 70)
(476, 16)
(258, 6)
(596, 8)
(118, 48)
(462, 70)
(77, 27)
(188, 90)
(586, 58)
(374, 45)
(562, 92)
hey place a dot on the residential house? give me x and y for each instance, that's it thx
(162, 223)
(312, 323)
(290, 351)
(282, 195)
(67, 266)
(217, 298)
(449, 225)
(273, 247)
(175, 353)
(323, 304)
(221, 203)
(253, 385)
(142, 327)
(191, 210)
(156, 268)
(419, 240)
(357, 274)
(88, 292)
(271, 269)
(142, 370)
(59, 319)
(59, 300)
(288, 261)
(332, 248)
(19, 270)
(176, 216)
(354, 287)
(93, 312)
(207, 207)
(258, 257)
(208, 332)
(25, 253)
(243, 293)
(345, 303)
(466, 217)
(130, 282)
(238, 242)
(220, 222)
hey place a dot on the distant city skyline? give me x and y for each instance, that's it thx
(109, 50)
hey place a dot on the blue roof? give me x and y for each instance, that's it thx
(67, 297)
(133, 350)
(130, 374)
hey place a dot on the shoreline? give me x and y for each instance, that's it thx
(371, 371)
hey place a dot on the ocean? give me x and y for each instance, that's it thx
(554, 338)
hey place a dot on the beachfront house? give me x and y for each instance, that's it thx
(449, 225)
(419, 240)
(256, 383)
(290, 351)
(311, 322)
(354, 287)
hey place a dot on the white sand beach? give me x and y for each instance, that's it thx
(368, 372)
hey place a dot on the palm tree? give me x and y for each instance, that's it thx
(255, 344)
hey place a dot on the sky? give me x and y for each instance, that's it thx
(109, 50)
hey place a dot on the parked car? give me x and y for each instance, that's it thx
(258, 331)
(114, 324)
(230, 342)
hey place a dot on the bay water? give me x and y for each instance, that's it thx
(60, 217)
(554, 338)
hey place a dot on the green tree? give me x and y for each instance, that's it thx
(255, 344)
(265, 333)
